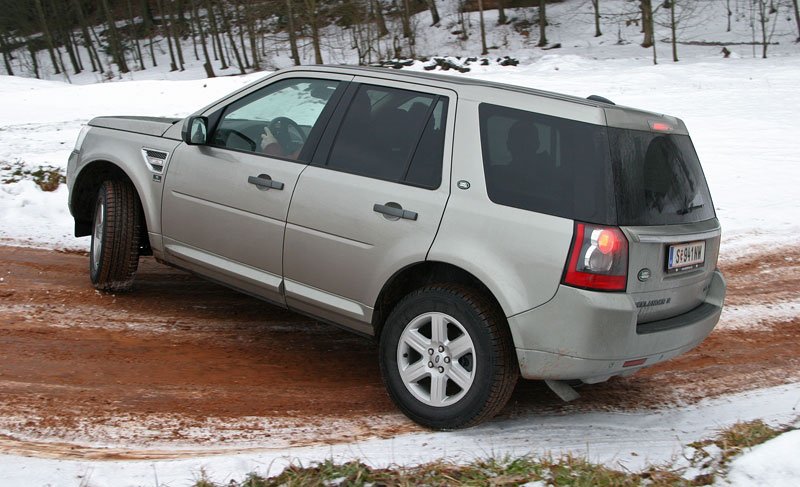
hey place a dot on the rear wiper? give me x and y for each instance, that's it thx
(689, 209)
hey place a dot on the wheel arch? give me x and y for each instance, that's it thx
(84, 191)
(418, 275)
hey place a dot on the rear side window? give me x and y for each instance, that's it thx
(659, 179)
(392, 134)
(546, 164)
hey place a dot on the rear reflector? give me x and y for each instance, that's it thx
(598, 258)
(634, 363)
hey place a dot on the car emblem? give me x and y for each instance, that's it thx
(463, 184)
(644, 274)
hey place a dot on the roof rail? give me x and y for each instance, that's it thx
(601, 99)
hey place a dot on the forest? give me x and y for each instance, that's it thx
(78, 35)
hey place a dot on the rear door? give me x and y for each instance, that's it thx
(225, 204)
(371, 202)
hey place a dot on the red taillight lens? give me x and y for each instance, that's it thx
(598, 258)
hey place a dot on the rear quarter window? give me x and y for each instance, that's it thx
(546, 164)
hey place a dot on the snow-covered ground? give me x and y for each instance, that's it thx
(621, 440)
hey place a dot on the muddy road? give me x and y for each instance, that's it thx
(186, 365)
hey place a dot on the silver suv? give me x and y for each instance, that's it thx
(479, 231)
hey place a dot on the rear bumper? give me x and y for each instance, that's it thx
(589, 336)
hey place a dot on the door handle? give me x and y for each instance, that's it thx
(394, 211)
(264, 182)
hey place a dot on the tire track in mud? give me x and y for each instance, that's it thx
(181, 367)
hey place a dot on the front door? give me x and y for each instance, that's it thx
(225, 203)
(371, 201)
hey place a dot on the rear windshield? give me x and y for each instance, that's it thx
(659, 180)
(589, 172)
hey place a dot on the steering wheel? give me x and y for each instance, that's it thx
(279, 126)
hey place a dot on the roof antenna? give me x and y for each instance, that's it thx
(600, 99)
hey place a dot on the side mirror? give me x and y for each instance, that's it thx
(195, 131)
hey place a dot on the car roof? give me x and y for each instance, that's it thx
(447, 79)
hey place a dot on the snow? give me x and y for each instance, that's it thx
(621, 440)
(773, 463)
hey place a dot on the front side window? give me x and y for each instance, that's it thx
(277, 120)
(392, 134)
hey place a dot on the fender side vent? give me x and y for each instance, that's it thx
(155, 159)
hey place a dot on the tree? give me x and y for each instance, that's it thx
(435, 19)
(6, 55)
(47, 36)
(796, 18)
(484, 50)
(116, 47)
(501, 12)
(292, 33)
(542, 23)
(207, 65)
(596, 5)
(97, 65)
(312, 15)
(647, 23)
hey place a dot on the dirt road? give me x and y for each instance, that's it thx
(181, 363)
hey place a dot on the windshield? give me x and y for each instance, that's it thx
(658, 179)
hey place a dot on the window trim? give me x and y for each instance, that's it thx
(314, 137)
(325, 147)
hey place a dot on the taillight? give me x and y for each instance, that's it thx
(598, 258)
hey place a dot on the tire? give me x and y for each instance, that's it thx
(114, 251)
(449, 388)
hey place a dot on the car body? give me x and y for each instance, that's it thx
(570, 239)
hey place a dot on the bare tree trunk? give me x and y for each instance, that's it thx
(47, 37)
(435, 19)
(34, 60)
(377, 9)
(241, 36)
(87, 39)
(292, 34)
(484, 50)
(166, 24)
(226, 26)
(596, 5)
(77, 48)
(312, 13)
(251, 33)
(797, 19)
(542, 23)
(207, 66)
(117, 51)
(501, 12)
(193, 33)
(215, 37)
(647, 23)
(6, 57)
(176, 32)
(462, 20)
(763, 19)
(135, 35)
(673, 29)
(405, 19)
(730, 14)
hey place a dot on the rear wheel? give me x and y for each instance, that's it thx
(447, 357)
(114, 252)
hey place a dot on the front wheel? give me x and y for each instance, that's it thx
(114, 251)
(447, 357)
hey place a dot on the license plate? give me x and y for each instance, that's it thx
(686, 256)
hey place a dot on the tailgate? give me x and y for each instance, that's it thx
(670, 267)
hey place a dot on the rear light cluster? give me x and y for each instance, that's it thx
(598, 258)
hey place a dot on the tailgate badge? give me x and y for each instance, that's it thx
(644, 274)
